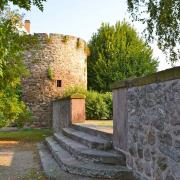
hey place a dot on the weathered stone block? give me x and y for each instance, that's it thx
(151, 138)
(177, 144)
(140, 152)
(170, 152)
(133, 151)
(147, 169)
(139, 165)
(158, 124)
(169, 177)
(166, 139)
(176, 120)
(162, 163)
(177, 132)
(142, 139)
(129, 161)
(147, 154)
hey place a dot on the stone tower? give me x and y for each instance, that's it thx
(59, 62)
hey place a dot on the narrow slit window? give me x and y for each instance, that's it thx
(59, 83)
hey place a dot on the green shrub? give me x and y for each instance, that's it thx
(108, 100)
(10, 109)
(74, 90)
(98, 105)
(25, 117)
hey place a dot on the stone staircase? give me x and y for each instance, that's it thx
(86, 152)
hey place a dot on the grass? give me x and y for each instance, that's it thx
(33, 174)
(27, 135)
(108, 123)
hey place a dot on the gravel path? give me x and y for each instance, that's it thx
(19, 161)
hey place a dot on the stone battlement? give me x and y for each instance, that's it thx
(60, 38)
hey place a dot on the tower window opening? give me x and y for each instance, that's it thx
(59, 83)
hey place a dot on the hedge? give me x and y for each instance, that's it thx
(98, 105)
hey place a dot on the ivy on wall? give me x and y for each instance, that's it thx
(51, 74)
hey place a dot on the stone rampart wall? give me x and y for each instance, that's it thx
(147, 124)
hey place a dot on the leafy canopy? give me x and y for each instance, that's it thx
(162, 20)
(13, 43)
(26, 4)
(117, 53)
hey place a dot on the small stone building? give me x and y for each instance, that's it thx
(58, 63)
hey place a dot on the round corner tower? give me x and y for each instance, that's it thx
(59, 62)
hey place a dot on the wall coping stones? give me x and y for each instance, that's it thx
(161, 76)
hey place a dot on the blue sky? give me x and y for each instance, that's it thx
(76, 17)
(82, 18)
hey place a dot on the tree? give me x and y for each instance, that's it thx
(26, 4)
(12, 69)
(162, 20)
(117, 53)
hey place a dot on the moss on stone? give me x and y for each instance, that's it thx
(162, 163)
(65, 39)
(77, 96)
(74, 96)
(50, 73)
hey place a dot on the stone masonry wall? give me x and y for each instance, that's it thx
(61, 115)
(66, 57)
(150, 124)
(67, 111)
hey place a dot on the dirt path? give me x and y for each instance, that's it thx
(19, 161)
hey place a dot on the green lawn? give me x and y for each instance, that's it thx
(108, 123)
(27, 135)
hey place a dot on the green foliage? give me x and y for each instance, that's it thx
(26, 135)
(162, 21)
(51, 73)
(74, 90)
(10, 107)
(78, 44)
(109, 101)
(26, 4)
(98, 105)
(12, 69)
(23, 118)
(117, 53)
(65, 39)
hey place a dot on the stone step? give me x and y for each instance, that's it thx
(91, 131)
(50, 167)
(70, 164)
(87, 139)
(82, 152)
